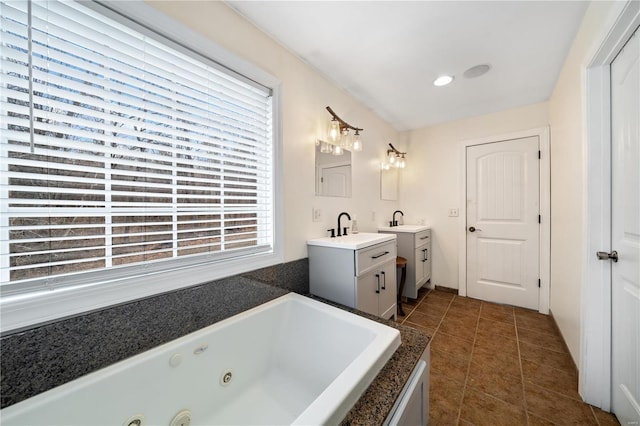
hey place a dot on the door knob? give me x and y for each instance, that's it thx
(474, 229)
(603, 255)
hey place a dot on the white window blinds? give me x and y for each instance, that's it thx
(118, 150)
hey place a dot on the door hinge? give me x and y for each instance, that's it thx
(539, 218)
(539, 283)
(539, 154)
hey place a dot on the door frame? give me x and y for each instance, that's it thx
(595, 363)
(544, 266)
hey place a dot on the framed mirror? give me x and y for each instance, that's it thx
(389, 184)
(333, 172)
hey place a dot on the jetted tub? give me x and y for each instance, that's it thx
(292, 360)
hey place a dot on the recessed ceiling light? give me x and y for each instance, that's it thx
(443, 80)
(477, 71)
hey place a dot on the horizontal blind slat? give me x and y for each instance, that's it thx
(128, 56)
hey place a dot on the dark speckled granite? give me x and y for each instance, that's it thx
(376, 402)
(39, 359)
(293, 276)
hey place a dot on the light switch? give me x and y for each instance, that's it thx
(453, 212)
(317, 215)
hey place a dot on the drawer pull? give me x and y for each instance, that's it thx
(379, 255)
(424, 238)
(378, 287)
(425, 255)
(384, 280)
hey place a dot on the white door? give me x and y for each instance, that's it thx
(336, 181)
(502, 222)
(625, 232)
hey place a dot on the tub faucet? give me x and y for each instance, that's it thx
(394, 222)
(339, 225)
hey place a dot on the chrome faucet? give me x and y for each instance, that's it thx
(394, 222)
(339, 225)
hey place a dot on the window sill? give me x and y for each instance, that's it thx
(25, 311)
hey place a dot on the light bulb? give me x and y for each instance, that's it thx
(357, 143)
(392, 159)
(345, 139)
(326, 148)
(443, 80)
(334, 130)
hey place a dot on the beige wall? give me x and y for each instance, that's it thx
(568, 176)
(431, 183)
(305, 95)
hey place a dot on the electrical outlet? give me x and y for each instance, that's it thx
(453, 212)
(317, 215)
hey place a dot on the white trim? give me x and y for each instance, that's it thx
(152, 18)
(20, 312)
(595, 363)
(545, 210)
(23, 311)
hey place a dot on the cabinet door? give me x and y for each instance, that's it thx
(427, 263)
(368, 290)
(388, 290)
(421, 255)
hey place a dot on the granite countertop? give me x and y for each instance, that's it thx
(34, 361)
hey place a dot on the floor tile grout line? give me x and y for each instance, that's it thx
(443, 315)
(524, 391)
(559, 394)
(466, 377)
(418, 301)
(422, 299)
(594, 415)
(546, 347)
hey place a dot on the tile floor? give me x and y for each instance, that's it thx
(497, 365)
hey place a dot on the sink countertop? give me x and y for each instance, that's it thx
(352, 241)
(404, 228)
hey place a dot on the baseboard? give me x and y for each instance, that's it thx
(446, 289)
(555, 324)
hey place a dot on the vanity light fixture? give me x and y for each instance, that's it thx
(339, 133)
(325, 147)
(395, 159)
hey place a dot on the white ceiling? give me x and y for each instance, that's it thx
(387, 53)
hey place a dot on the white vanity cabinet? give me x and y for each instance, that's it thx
(414, 244)
(361, 276)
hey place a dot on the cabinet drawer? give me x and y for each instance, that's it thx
(369, 257)
(423, 238)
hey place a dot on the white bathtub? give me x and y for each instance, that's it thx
(293, 360)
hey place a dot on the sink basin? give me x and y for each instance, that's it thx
(404, 228)
(352, 241)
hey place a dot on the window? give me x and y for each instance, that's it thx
(122, 153)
